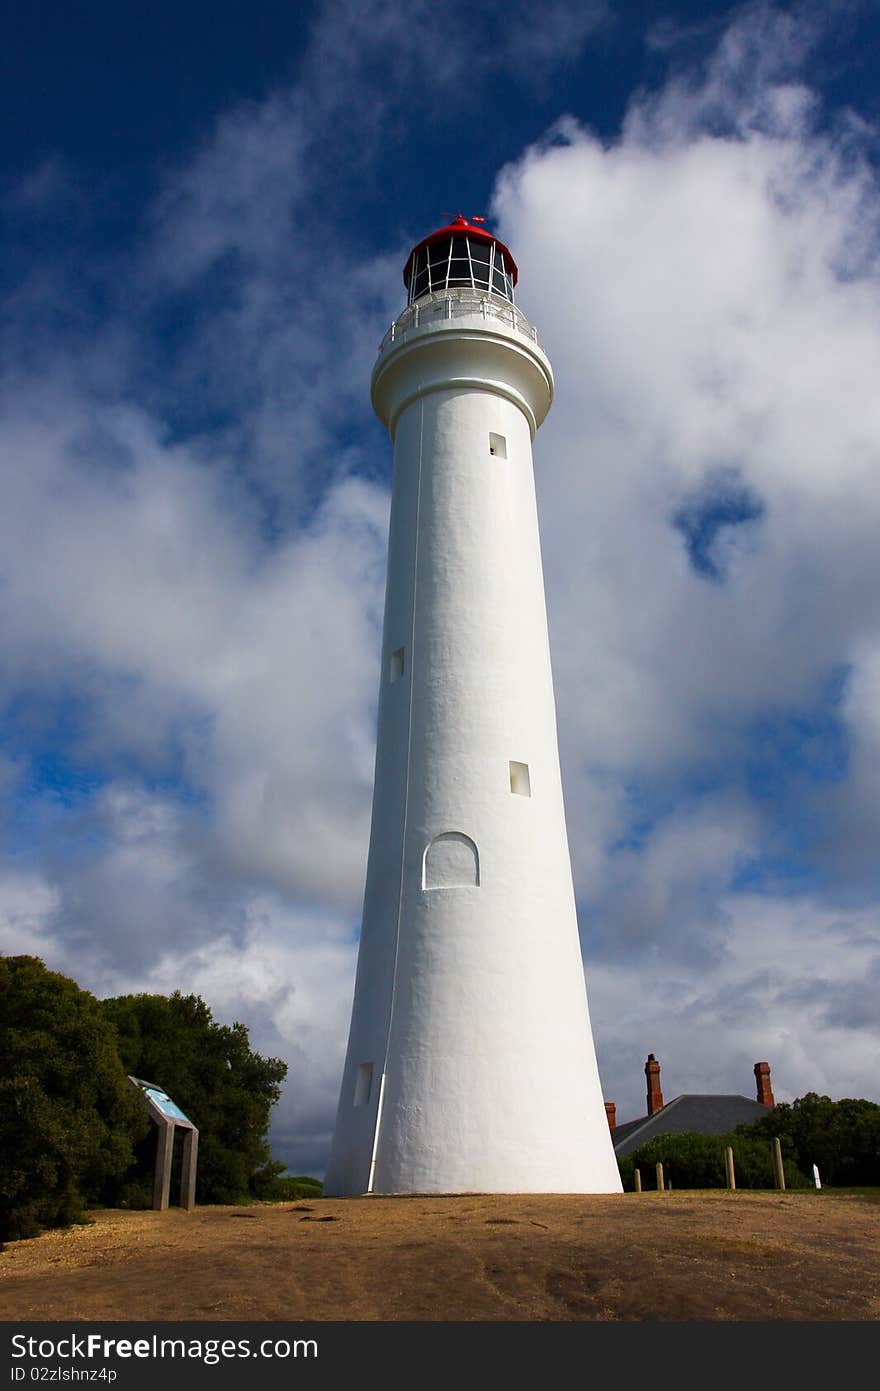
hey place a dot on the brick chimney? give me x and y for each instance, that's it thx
(655, 1096)
(762, 1078)
(611, 1113)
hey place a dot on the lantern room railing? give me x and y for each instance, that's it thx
(455, 304)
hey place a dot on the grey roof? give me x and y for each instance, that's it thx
(688, 1115)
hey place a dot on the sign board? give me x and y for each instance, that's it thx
(168, 1117)
(169, 1108)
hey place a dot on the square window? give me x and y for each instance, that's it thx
(498, 446)
(519, 779)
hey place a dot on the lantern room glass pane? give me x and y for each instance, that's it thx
(480, 263)
(419, 284)
(460, 262)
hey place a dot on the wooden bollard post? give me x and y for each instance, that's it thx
(637, 1176)
(728, 1167)
(778, 1170)
(659, 1177)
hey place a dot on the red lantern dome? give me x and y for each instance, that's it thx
(460, 254)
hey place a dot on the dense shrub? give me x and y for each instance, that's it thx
(68, 1119)
(697, 1161)
(75, 1134)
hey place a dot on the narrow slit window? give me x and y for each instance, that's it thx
(519, 779)
(498, 446)
(363, 1084)
(395, 666)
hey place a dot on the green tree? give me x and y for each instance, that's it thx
(842, 1138)
(68, 1119)
(210, 1070)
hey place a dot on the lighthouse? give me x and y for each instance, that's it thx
(470, 1063)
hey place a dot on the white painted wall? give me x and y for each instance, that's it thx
(470, 1001)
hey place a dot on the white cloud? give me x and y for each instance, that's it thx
(28, 905)
(139, 589)
(709, 296)
(697, 322)
(784, 993)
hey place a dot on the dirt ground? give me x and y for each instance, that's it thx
(647, 1257)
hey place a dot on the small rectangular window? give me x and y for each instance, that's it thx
(363, 1084)
(519, 779)
(395, 666)
(498, 446)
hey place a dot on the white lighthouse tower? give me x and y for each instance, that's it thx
(470, 1062)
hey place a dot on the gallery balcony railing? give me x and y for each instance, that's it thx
(454, 304)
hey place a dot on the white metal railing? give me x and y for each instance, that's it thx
(454, 304)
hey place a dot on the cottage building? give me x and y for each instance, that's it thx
(690, 1113)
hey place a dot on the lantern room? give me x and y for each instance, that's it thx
(460, 254)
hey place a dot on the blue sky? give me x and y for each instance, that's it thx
(205, 218)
